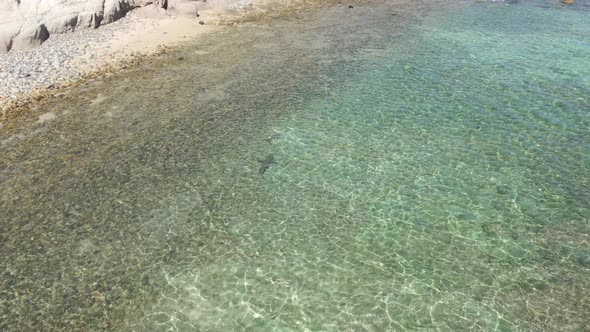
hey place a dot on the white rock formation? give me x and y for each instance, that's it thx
(28, 23)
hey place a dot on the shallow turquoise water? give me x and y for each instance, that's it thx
(432, 172)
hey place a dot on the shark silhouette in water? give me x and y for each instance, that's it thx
(265, 164)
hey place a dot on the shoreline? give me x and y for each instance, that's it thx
(69, 59)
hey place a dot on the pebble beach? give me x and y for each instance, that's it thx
(56, 61)
(72, 56)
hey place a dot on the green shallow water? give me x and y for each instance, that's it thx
(431, 173)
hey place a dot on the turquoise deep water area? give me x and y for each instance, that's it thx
(419, 166)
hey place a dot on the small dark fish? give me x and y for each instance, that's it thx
(265, 164)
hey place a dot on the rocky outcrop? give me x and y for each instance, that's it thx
(28, 23)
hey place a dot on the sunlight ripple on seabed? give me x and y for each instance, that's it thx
(373, 168)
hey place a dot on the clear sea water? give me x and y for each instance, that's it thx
(389, 167)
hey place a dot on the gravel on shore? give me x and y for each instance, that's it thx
(62, 59)
(67, 57)
(73, 56)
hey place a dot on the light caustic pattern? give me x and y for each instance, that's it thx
(442, 187)
(431, 166)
